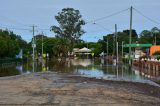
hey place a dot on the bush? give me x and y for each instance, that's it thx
(156, 53)
(158, 57)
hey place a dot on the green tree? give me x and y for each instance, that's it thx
(121, 36)
(48, 44)
(134, 35)
(146, 37)
(70, 26)
(51, 45)
(10, 44)
(98, 48)
(155, 33)
(61, 47)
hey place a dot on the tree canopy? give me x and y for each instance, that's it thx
(10, 44)
(70, 26)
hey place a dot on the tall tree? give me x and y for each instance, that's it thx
(70, 25)
(155, 32)
(146, 37)
(134, 35)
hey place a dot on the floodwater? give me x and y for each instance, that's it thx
(97, 68)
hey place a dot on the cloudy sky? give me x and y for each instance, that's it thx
(20, 15)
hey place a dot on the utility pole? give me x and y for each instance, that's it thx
(33, 42)
(113, 45)
(122, 49)
(87, 48)
(33, 46)
(117, 53)
(114, 40)
(42, 52)
(116, 33)
(130, 35)
(107, 47)
(42, 45)
(116, 43)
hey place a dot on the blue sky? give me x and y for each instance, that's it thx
(22, 14)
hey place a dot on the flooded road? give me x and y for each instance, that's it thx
(98, 68)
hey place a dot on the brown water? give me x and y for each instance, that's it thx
(98, 68)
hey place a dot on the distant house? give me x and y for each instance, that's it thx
(82, 51)
(138, 53)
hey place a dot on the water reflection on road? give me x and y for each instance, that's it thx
(98, 68)
(104, 70)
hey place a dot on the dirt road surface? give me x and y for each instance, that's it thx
(66, 90)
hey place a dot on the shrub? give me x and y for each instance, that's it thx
(156, 53)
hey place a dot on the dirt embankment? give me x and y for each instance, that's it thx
(65, 90)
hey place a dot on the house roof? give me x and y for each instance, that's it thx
(84, 50)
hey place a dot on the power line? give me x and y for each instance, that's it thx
(44, 29)
(12, 21)
(16, 28)
(102, 27)
(152, 20)
(12, 28)
(102, 18)
(17, 23)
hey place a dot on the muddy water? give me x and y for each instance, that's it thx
(98, 68)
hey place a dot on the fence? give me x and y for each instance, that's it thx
(148, 68)
(10, 61)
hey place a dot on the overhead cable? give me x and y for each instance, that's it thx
(152, 20)
(105, 17)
